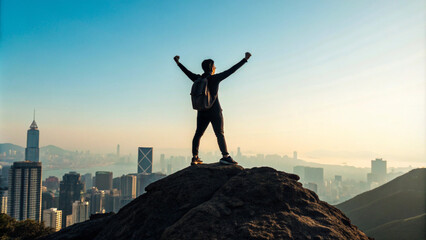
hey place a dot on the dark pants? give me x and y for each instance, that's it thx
(203, 120)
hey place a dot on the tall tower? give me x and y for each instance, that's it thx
(118, 150)
(71, 189)
(145, 160)
(295, 155)
(24, 195)
(32, 150)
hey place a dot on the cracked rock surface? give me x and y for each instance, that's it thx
(213, 201)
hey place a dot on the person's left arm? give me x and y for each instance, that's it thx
(221, 76)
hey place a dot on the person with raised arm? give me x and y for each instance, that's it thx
(214, 112)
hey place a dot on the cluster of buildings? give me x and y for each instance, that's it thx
(336, 190)
(73, 199)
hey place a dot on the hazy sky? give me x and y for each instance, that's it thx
(338, 81)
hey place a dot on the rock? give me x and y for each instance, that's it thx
(212, 201)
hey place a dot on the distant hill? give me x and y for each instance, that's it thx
(51, 149)
(4, 147)
(398, 201)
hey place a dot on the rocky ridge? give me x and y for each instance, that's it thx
(212, 201)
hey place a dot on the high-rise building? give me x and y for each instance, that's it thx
(87, 180)
(113, 201)
(295, 155)
(97, 201)
(300, 171)
(310, 175)
(32, 151)
(169, 166)
(49, 200)
(52, 183)
(145, 159)
(143, 180)
(378, 172)
(314, 175)
(163, 163)
(80, 211)
(128, 186)
(52, 217)
(118, 150)
(312, 187)
(239, 155)
(24, 194)
(103, 180)
(3, 201)
(116, 183)
(71, 190)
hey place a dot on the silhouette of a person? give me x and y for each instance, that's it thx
(214, 114)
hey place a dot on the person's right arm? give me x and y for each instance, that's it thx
(188, 73)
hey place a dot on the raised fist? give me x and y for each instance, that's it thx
(176, 58)
(248, 55)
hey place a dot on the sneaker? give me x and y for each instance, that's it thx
(228, 160)
(196, 160)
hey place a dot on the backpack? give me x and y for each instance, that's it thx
(200, 95)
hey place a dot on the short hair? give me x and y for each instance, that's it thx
(207, 65)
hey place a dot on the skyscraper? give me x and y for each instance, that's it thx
(52, 183)
(52, 217)
(103, 180)
(24, 195)
(87, 180)
(378, 171)
(314, 175)
(128, 186)
(32, 150)
(145, 160)
(239, 155)
(118, 150)
(80, 211)
(97, 201)
(71, 189)
(295, 155)
(144, 179)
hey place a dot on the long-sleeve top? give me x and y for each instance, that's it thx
(213, 81)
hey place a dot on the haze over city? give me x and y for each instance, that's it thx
(344, 85)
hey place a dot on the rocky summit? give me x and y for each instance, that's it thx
(212, 201)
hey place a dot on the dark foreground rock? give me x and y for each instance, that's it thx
(212, 201)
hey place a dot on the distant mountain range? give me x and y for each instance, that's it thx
(4, 147)
(50, 148)
(395, 210)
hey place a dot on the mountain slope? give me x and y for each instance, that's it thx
(399, 199)
(213, 201)
(413, 228)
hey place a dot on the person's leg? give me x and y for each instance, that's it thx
(202, 124)
(217, 123)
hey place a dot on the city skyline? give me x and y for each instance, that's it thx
(342, 87)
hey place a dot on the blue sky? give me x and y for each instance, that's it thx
(325, 76)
